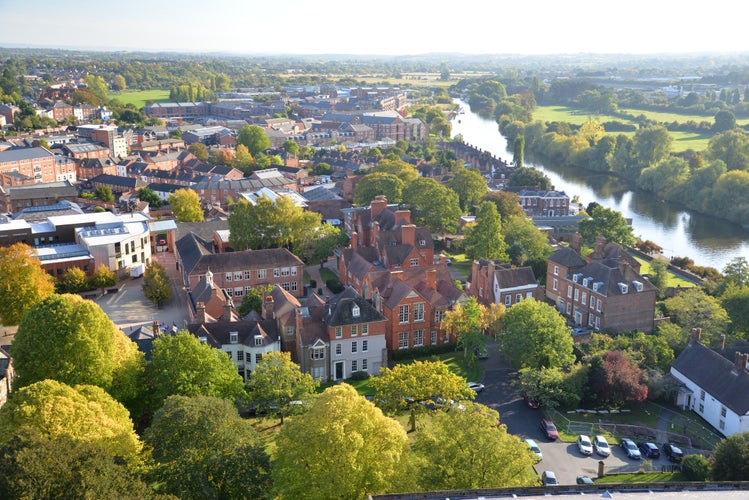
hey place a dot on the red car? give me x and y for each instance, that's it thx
(549, 429)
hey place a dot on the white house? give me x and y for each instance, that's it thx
(713, 386)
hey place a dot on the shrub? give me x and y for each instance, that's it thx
(313, 283)
(359, 376)
(695, 467)
(422, 352)
(334, 286)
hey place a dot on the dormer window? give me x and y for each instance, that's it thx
(258, 340)
(203, 340)
(422, 243)
(233, 337)
(355, 311)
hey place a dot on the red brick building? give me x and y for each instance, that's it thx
(495, 283)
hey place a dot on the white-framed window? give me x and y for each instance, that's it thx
(364, 345)
(289, 331)
(528, 295)
(338, 332)
(439, 315)
(518, 297)
(414, 262)
(418, 338)
(293, 271)
(354, 347)
(584, 298)
(508, 300)
(240, 355)
(577, 294)
(238, 291)
(556, 271)
(702, 395)
(318, 372)
(258, 358)
(338, 349)
(293, 286)
(229, 291)
(723, 411)
(598, 305)
(317, 353)
(569, 307)
(433, 337)
(238, 276)
(403, 340)
(276, 273)
(403, 314)
(419, 311)
(555, 285)
(354, 330)
(355, 311)
(258, 340)
(285, 271)
(228, 276)
(702, 407)
(354, 366)
(569, 291)
(233, 337)
(365, 329)
(247, 275)
(364, 365)
(262, 274)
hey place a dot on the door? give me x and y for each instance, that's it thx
(338, 370)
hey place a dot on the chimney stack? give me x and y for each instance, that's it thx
(354, 240)
(156, 330)
(576, 242)
(408, 234)
(739, 362)
(396, 275)
(722, 342)
(200, 312)
(403, 217)
(599, 246)
(431, 278)
(696, 335)
(377, 205)
(269, 307)
(228, 306)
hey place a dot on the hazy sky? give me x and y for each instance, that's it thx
(384, 27)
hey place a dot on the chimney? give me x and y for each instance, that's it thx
(403, 217)
(200, 312)
(377, 205)
(739, 362)
(396, 275)
(431, 278)
(408, 234)
(576, 242)
(696, 336)
(156, 330)
(722, 342)
(600, 245)
(269, 308)
(354, 240)
(228, 306)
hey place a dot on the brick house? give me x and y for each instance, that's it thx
(605, 292)
(544, 203)
(34, 163)
(495, 283)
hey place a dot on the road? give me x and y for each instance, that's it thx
(562, 458)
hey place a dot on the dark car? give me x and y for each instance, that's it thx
(673, 452)
(630, 448)
(584, 480)
(532, 402)
(648, 450)
(548, 428)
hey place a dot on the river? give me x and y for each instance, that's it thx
(682, 233)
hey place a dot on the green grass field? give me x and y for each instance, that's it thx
(642, 477)
(673, 279)
(140, 97)
(571, 115)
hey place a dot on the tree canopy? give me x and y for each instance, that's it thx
(254, 138)
(345, 433)
(730, 460)
(467, 320)
(693, 308)
(156, 285)
(23, 282)
(378, 183)
(529, 177)
(470, 186)
(186, 205)
(433, 205)
(608, 223)
(484, 239)
(535, 335)
(615, 381)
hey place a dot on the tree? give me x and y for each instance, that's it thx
(735, 301)
(507, 202)
(322, 168)
(82, 413)
(254, 138)
(326, 241)
(23, 282)
(470, 186)
(71, 340)
(695, 467)
(467, 320)
(529, 177)
(420, 382)
(149, 195)
(659, 275)
(200, 151)
(185, 205)
(554, 387)
(433, 205)
(535, 335)
(378, 183)
(204, 449)
(736, 272)
(253, 300)
(518, 151)
(732, 147)
(74, 281)
(693, 308)
(104, 193)
(483, 239)
(730, 460)
(724, 121)
(119, 84)
(276, 382)
(399, 168)
(342, 432)
(652, 144)
(103, 277)
(156, 285)
(608, 223)
(271, 224)
(466, 449)
(525, 242)
(291, 147)
(181, 364)
(37, 466)
(97, 85)
(243, 160)
(615, 381)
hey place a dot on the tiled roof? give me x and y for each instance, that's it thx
(515, 277)
(567, 257)
(246, 259)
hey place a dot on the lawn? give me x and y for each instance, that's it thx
(326, 274)
(673, 280)
(139, 97)
(460, 263)
(642, 477)
(572, 115)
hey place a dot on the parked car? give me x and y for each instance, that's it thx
(532, 402)
(534, 448)
(584, 480)
(548, 478)
(475, 386)
(630, 448)
(584, 445)
(673, 452)
(648, 449)
(601, 446)
(548, 428)
(482, 352)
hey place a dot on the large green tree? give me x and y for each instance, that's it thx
(484, 238)
(156, 284)
(652, 144)
(83, 413)
(204, 449)
(72, 340)
(732, 147)
(23, 282)
(378, 183)
(529, 177)
(407, 385)
(467, 321)
(525, 242)
(345, 433)
(693, 308)
(470, 186)
(186, 205)
(276, 382)
(466, 449)
(433, 205)
(535, 335)
(730, 460)
(508, 203)
(608, 223)
(254, 138)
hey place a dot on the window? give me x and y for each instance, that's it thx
(569, 291)
(702, 395)
(261, 274)
(577, 294)
(422, 243)
(318, 372)
(598, 305)
(508, 300)
(364, 365)
(229, 291)
(414, 262)
(419, 311)
(276, 273)
(354, 330)
(354, 347)
(365, 329)
(439, 316)
(723, 411)
(238, 291)
(702, 407)
(293, 271)
(258, 340)
(247, 275)
(289, 331)
(418, 338)
(355, 311)
(293, 286)
(285, 271)
(258, 358)
(403, 314)
(233, 337)
(722, 424)
(364, 345)
(403, 340)
(238, 276)
(556, 284)
(228, 276)
(317, 353)
(569, 307)
(354, 366)
(338, 332)
(228, 353)
(528, 295)
(338, 349)
(584, 298)
(556, 271)
(247, 289)
(240, 356)
(518, 297)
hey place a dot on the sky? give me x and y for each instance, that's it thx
(381, 27)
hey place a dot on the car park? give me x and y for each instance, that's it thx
(548, 428)
(648, 449)
(601, 446)
(673, 452)
(548, 478)
(534, 448)
(584, 480)
(476, 387)
(630, 448)
(584, 445)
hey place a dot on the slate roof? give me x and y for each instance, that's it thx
(328, 209)
(567, 257)
(600, 272)
(18, 154)
(116, 180)
(515, 277)
(197, 259)
(713, 373)
(204, 230)
(45, 190)
(191, 248)
(219, 333)
(321, 193)
(342, 305)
